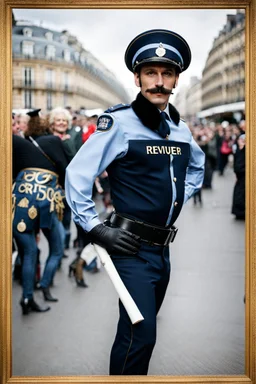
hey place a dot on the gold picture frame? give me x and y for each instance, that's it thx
(6, 7)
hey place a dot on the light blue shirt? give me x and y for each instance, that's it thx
(144, 169)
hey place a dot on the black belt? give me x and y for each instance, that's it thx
(149, 233)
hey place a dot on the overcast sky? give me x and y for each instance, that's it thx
(107, 33)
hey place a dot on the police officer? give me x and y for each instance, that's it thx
(154, 167)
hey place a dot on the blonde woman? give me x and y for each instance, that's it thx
(60, 121)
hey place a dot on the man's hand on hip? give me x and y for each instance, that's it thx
(115, 240)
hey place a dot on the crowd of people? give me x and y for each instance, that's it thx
(43, 146)
(223, 144)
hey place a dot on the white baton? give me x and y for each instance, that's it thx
(125, 297)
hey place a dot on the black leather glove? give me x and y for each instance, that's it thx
(115, 240)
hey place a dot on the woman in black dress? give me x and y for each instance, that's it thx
(238, 205)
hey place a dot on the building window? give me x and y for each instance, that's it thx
(27, 32)
(64, 39)
(66, 55)
(49, 100)
(50, 52)
(49, 36)
(28, 99)
(65, 99)
(28, 76)
(65, 80)
(76, 56)
(49, 78)
(28, 48)
(83, 58)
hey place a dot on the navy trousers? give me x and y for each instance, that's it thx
(146, 277)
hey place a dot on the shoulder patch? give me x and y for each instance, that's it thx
(105, 123)
(117, 107)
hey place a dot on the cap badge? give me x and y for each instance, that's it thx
(160, 51)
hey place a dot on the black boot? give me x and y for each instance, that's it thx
(28, 305)
(47, 294)
(81, 283)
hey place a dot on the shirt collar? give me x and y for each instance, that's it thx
(166, 110)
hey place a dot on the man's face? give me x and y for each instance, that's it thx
(156, 82)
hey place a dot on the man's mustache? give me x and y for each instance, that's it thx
(161, 89)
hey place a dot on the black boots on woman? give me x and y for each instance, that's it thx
(47, 295)
(29, 305)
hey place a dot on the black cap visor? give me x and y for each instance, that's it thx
(156, 60)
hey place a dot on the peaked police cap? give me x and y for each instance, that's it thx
(158, 46)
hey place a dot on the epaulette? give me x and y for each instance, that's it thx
(117, 107)
(183, 120)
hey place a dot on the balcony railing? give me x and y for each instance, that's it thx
(40, 85)
(40, 57)
(63, 88)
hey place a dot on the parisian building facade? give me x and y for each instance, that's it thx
(180, 101)
(223, 77)
(193, 99)
(53, 69)
(220, 93)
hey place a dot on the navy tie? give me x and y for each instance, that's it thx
(164, 129)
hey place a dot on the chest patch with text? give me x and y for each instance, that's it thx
(163, 150)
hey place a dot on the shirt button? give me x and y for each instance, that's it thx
(174, 179)
(175, 204)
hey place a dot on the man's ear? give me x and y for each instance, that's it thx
(137, 79)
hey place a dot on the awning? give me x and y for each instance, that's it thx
(233, 107)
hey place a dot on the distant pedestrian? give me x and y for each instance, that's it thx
(225, 149)
(238, 204)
